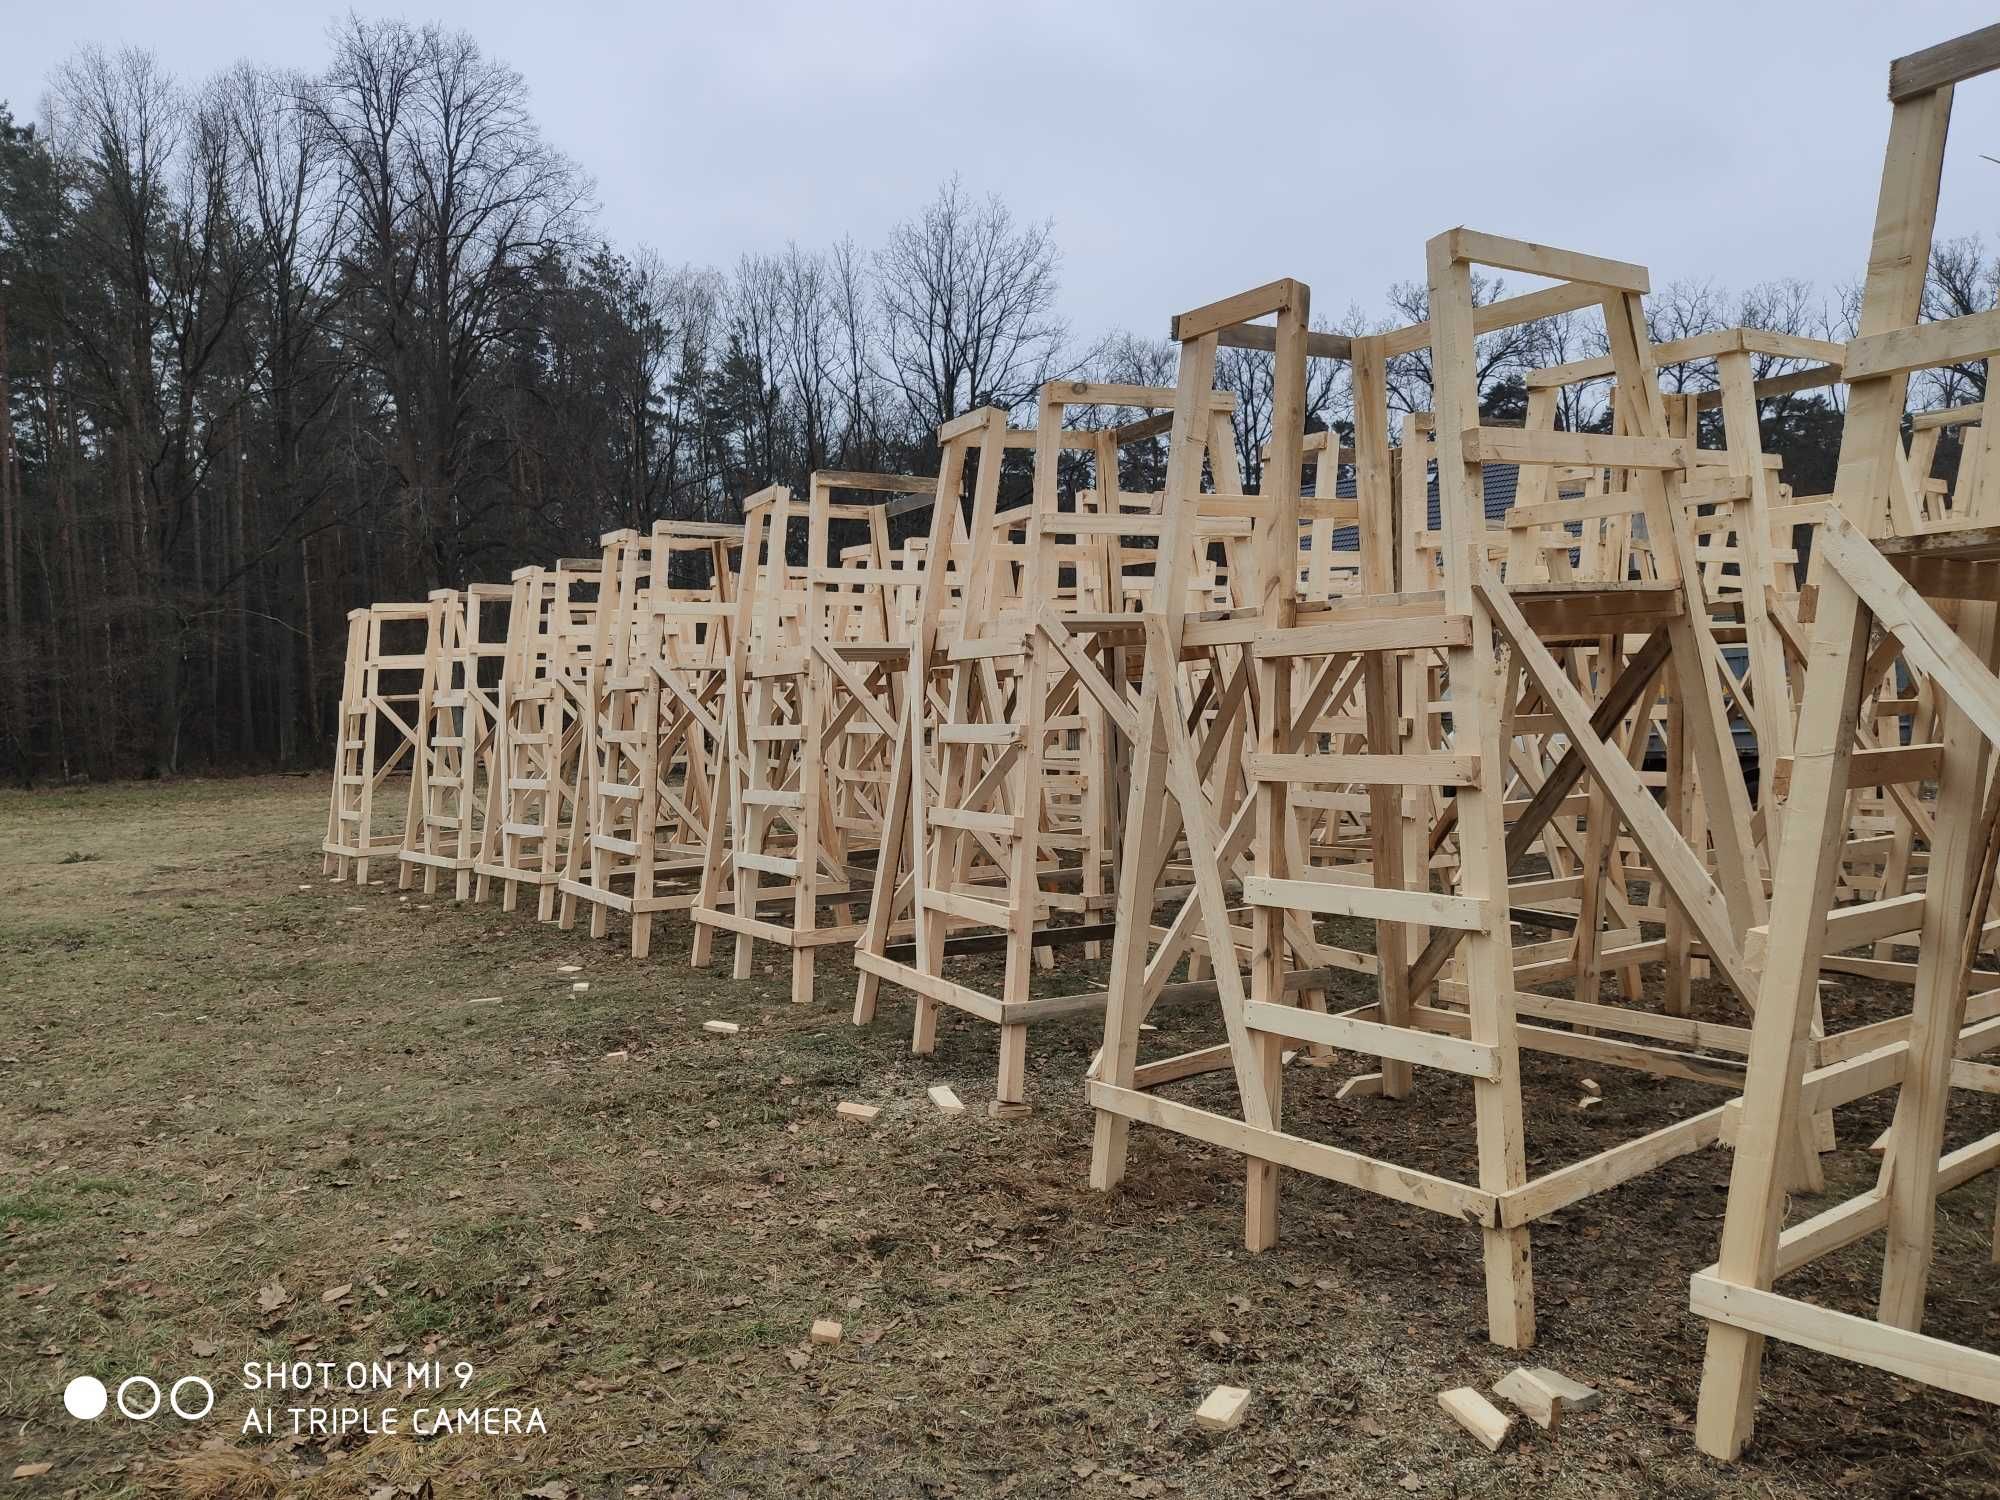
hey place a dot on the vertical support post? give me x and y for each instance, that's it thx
(1487, 953)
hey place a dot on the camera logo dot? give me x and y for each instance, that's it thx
(85, 1398)
(139, 1398)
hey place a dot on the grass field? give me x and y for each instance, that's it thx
(250, 1116)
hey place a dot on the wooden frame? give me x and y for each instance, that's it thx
(1252, 840)
(380, 687)
(459, 755)
(814, 701)
(1867, 576)
(1018, 683)
(539, 738)
(650, 762)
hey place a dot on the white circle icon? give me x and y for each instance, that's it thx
(125, 1385)
(174, 1398)
(85, 1397)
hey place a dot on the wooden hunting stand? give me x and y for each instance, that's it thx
(649, 764)
(388, 659)
(1876, 564)
(813, 708)
(458, 762)
(1252, 840)
(1018, 689)
(543, 685)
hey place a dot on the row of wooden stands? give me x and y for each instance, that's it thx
(1903, 642)
(1185, 727)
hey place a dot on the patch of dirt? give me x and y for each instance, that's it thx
(242, 1122)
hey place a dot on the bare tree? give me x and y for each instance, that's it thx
(1247, 374)
(456, 195)
(807, 336)
(1499, 355)
(849, 296)
(967, 300)
(1962, 281)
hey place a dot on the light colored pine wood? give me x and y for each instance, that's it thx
(1478, 1416)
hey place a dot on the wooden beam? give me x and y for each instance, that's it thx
(1947, 63)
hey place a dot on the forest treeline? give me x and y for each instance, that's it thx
(281, 343)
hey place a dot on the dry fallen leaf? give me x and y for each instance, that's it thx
(335, 1293)
(273, 1297)
(31, 1471)
(203, 1348)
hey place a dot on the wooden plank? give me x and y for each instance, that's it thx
(1373, 770)
(1949, 62)
(1597, 450)
(1448, 1054)
(1326, 636)
(1258, 336)
(1223, 1409)
(1915, 1356)
(1851, 926)
(1371, 902)
(1535, 1401)
(1970, 339)
(1572, 1184)
(1545, 260)
(1478, 1416)
(1385, 1179)
(1258, 302)
(1883, 766)
(929, 986)
(1508, 312)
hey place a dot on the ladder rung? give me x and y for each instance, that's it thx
(1369, 770)
(978, 734)
(1006, 825)
(1376, 903)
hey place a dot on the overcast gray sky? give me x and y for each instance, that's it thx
(1188, 151)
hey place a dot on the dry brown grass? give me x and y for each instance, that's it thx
(212, 1080)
